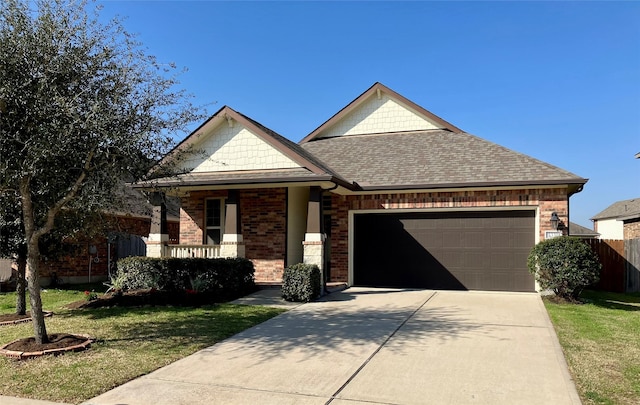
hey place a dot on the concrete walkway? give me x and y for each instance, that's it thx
(378, 346)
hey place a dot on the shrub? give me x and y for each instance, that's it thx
(564, 265)
(136, 273)
(221, 278)
(301, 282)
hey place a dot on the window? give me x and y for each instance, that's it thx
(214, 223)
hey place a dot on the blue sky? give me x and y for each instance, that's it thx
(559, 81)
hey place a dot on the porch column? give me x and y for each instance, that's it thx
(158, 234)
(232, 245)
(313, 244)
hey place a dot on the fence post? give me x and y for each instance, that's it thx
(632, 273)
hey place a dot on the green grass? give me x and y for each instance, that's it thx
(130, 342)
(601, 342)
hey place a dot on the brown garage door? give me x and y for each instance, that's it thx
(484, 250)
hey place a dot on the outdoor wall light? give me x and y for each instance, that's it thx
(554, 221)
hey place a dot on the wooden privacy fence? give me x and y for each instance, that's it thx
(632, 255)
(620, 264)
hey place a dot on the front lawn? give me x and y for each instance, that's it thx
(601, 342)
(130, 342)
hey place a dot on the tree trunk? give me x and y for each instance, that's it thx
(33, 280)
(21, 285)
(33, 259)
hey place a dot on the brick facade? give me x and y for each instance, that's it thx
(263, 222)
(192, 215)
(263, 217)
(74, 266)
(547, 200)
(631, 229)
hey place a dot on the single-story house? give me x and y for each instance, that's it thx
(384, 193)
(620, 220)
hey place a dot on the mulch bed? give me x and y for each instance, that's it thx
(59, 343)
(560, 300)
(152, 297)
(11, 319)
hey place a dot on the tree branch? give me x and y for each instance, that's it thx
(73, 191)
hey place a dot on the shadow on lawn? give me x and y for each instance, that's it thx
(202, 326)
(609, 300)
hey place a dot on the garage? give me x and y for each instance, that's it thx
(458, 250)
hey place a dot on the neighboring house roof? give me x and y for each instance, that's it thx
(135, 204)
(581, 231)
(620, 210)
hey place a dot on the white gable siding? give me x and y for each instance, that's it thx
(378, 116)
(610, 229)
(235, 148)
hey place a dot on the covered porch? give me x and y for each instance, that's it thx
(274, 226)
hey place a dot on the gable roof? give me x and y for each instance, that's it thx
(433, 159)
(429, 153)
(278, 142)
(376, 90)
(620, 210)
(310, 168)
(437, 155)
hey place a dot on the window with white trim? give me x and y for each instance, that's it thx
(214, 221)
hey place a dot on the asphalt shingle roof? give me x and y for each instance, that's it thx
(620, 209)
(435, 158)
(579, 230)
(236, 177)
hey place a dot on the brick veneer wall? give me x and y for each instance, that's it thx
(263, 222)
(263, 214)
(547, 200)
(192, 215)
(76, 264)
(631, 229)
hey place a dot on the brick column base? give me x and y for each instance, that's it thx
(313, 253)
(232, 246)
(156, 244)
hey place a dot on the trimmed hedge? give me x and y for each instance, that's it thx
(221, 279)
(564, 265)
(301, 282)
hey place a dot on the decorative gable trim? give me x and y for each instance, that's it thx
(378, 90)
(227, 116)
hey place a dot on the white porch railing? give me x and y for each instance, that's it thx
(184, 251)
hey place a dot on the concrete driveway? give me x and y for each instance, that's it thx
(362, 346)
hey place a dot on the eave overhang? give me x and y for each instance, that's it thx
(574, 185)
(324, 181)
